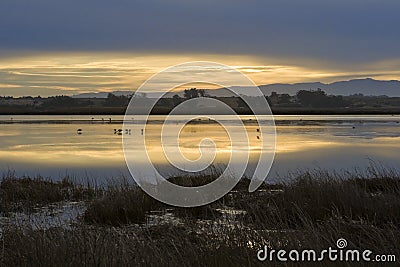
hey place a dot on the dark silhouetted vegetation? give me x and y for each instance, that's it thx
(116, 101)
(26, 193)
(312, 209)
(304, 102)
(319, 99)
(193, 93)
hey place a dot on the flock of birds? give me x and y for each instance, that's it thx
(116, 131)
(129, 132)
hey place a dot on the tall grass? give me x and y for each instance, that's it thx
(121, 205)
(313, 210)
(24, 193)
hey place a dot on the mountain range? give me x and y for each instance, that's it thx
(365, 86)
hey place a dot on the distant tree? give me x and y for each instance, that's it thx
(273, 95)
(116, 101)
(285, 99)
(311, 98)
(318, 98)
(191, 93)
(276, 99)
(273, 98)
(202, 92)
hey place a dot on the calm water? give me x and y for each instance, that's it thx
(51, 146)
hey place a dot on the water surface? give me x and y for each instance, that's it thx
(53, 146)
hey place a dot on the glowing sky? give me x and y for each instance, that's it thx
(50, 47)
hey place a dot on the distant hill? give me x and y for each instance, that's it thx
(366, 86)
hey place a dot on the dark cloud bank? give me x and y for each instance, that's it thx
(340, 31)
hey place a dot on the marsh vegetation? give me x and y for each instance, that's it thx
(121, 225)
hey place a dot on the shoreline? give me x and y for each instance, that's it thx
(306, 120)
(166, 111)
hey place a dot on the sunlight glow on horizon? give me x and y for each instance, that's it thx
(70, 73)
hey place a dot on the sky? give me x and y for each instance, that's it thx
(51, 47)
